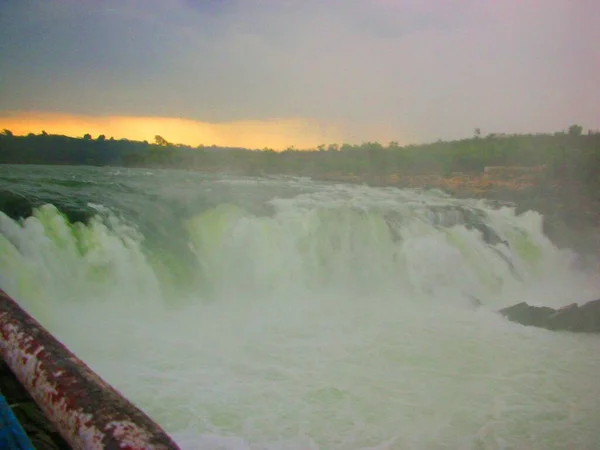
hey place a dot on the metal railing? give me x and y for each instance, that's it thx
(87, 412)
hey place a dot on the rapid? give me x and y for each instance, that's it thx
(283, 313)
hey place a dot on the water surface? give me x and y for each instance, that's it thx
(282, 313)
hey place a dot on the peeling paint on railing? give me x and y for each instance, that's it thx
(88, 412)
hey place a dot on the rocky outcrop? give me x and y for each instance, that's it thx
(575, 318)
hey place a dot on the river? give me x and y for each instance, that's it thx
(283, 313)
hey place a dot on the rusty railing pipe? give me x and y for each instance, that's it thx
(87, 412)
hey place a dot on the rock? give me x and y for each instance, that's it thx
(574, 318)
(591, 316)
(490, 237)
(514, 310)
(567, 318)
(525, 314)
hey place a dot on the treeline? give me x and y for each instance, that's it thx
(569, 154)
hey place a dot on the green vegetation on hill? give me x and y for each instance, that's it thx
(567, 155)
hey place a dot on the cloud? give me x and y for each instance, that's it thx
(399, 69)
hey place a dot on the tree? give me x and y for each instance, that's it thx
(159, 140)
(7, 132)
(101, 138)
(87, 137)
(575, 130)
(477, 132)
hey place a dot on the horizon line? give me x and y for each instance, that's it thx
(276, 134)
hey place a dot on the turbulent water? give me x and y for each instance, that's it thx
(281, 313)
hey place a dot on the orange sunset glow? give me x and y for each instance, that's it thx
(277, 133)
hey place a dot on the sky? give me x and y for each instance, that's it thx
(276, 73)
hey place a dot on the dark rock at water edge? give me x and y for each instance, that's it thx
(575, 318)
(570, 214)
(40, 431)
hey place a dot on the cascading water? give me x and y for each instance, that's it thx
(286, 314)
